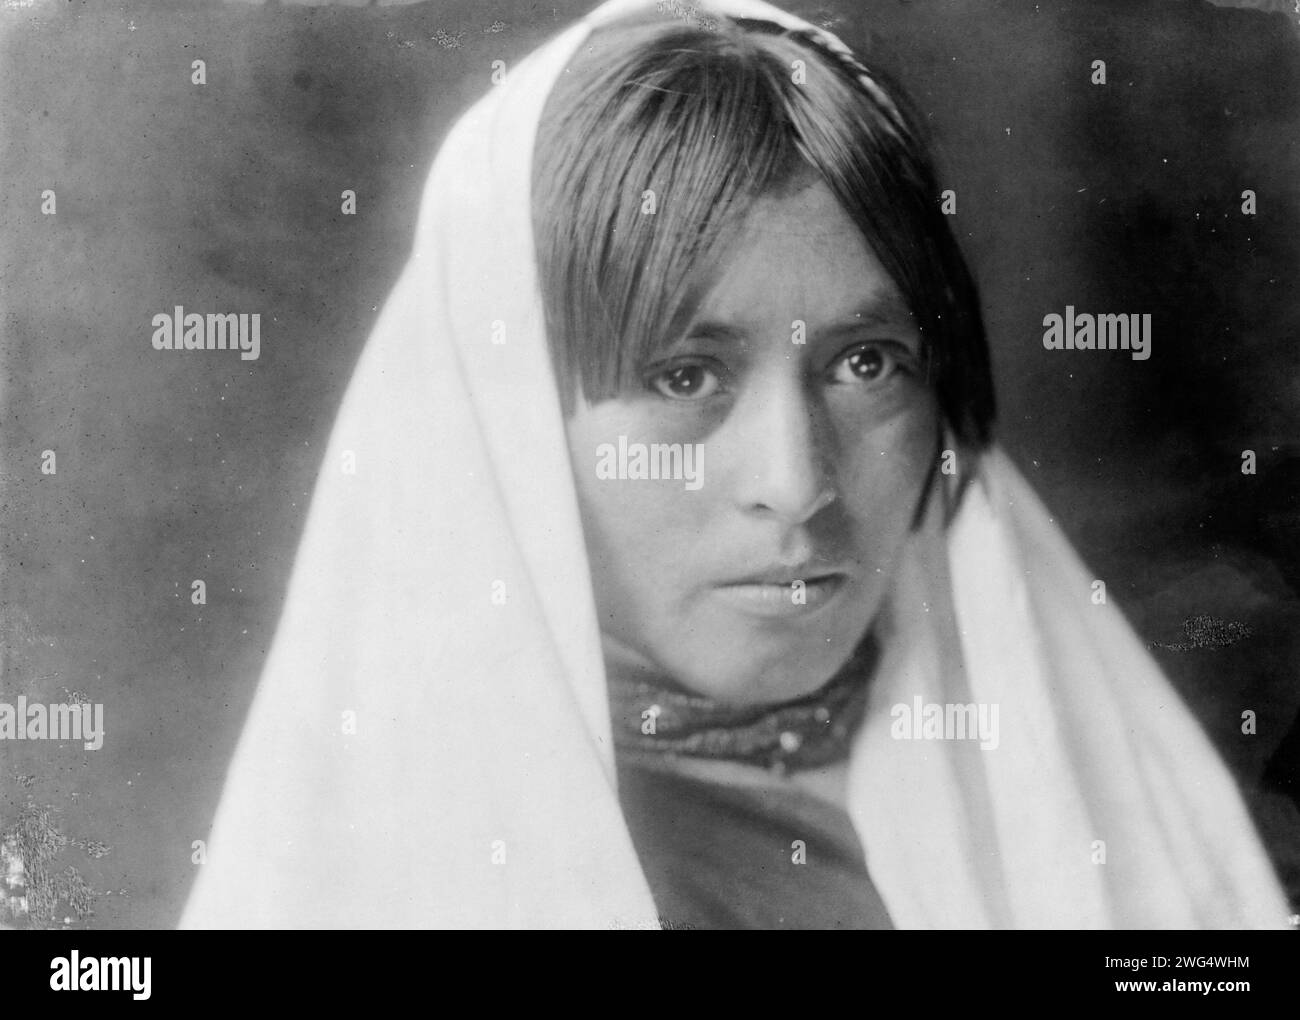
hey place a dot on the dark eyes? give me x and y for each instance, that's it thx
(690, 381)
(867, 364)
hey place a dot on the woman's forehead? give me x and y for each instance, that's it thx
(800, 254)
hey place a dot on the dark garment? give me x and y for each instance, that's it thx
(726, 857)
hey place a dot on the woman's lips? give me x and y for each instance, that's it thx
(793, 598)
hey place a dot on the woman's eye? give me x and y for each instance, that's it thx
(685, 382)
(869, 363)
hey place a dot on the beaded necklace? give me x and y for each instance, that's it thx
(815, 730)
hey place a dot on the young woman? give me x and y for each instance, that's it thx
(662, 570)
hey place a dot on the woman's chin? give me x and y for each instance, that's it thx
(743, 659)
(740, 656)
(747, 679)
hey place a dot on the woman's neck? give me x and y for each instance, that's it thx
(802, 744)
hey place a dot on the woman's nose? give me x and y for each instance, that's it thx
(786, 470)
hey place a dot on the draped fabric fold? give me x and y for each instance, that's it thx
(429, 745)
(1101, 804)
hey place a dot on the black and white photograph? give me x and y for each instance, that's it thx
(650, 464)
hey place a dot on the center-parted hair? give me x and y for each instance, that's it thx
(710, 121)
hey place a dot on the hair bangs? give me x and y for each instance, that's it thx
(654, 147)
(681, 134)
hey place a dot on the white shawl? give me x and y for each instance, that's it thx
(420, 755)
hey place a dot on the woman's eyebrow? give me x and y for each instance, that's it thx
(888, 309)
(716, 332)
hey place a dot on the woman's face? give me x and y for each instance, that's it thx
(752, 574)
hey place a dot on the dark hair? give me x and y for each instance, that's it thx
(711, 121)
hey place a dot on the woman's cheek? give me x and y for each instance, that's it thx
(638, 531)
(887, 471)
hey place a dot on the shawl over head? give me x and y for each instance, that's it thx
(423, 752)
